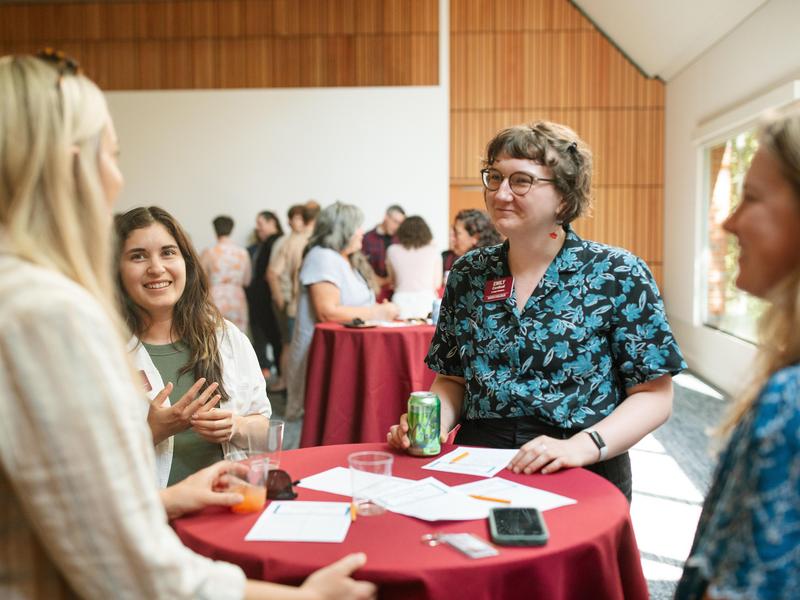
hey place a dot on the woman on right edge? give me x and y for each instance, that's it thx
(548, 343)
(747, 543)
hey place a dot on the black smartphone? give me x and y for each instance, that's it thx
(517, 526)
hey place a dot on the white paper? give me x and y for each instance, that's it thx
(516, 493)
(296, 521)
(334, 481)
(428, 499)
(481, 462)
(432, 500)
(338, 480)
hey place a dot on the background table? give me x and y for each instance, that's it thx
(359, 380)
(592, 551)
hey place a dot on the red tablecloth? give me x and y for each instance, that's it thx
(359, 380)
(592, 552)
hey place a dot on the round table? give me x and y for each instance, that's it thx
(592, 552)
(359, 380)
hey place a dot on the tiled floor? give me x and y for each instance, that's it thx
(672, 469)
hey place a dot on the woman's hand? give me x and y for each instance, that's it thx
(334, 582)
(548, 455)
(398, 434)
(214, 425)
(166, 421)
(386, 311)
(207, 487)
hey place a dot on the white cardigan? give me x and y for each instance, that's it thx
(241, 378)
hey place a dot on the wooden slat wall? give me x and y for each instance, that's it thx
(190, 44)
(516, 61)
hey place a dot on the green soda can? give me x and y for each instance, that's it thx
(424, 418)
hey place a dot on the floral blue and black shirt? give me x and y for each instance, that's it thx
(594, 326)
(747, 543)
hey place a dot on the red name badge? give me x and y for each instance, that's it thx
(146, 382)
(498, 289)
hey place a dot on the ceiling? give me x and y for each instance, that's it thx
(664, 36)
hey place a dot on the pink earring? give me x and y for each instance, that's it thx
(553, 235)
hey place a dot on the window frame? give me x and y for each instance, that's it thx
(709, 133)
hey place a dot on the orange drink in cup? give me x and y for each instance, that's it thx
(254, 498)
(253, 488)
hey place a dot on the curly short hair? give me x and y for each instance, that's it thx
(477, 223)
(557, 147)
(414, 232)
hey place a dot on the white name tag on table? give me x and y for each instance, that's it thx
(296, 521)
(481, 462)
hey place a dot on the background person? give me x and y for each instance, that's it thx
(747, 543)
(375, 243)
(179, 338)
(228, 268)
(79, 510)
(336, 285)
(472, 229)
(284, 265)
(414, 266)
(567, 354)
(263, 322)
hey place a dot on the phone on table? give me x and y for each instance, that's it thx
(517, 526)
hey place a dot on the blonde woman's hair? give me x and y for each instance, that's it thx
(52, 205)
(779, 342)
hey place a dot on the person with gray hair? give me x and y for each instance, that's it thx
(337, 284)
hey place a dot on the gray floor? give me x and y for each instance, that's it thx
(672, 469)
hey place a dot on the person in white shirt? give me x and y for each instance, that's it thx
(415, 269)
(180, 337)
(80, 513)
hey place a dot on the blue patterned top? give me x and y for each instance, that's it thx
(594, 326)
(748, 540)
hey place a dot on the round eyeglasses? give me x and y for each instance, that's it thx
(519, 182)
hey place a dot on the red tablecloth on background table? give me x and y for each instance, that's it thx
(591, 554)
(359, 380)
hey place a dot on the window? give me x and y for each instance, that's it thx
(726, 145)
(726, 307)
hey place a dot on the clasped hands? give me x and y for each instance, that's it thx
(195, 409)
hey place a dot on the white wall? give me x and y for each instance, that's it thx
(758, 55)
(203, 153)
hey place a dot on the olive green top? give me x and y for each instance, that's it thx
(191, 452)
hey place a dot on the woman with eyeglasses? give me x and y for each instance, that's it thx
(336, 285)
(80, 511)
(199, 370)
(747, 543)
(550, 343)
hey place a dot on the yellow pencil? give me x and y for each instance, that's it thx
(459, 457)
(490, 499)
(352, 512)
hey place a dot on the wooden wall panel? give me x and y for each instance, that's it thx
(185, 44)
(517, 61)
